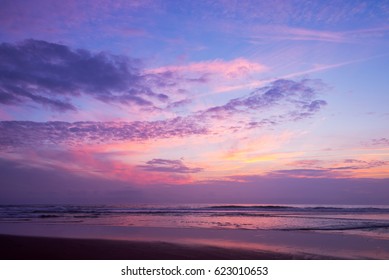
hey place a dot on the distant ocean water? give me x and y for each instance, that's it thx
(363, 220)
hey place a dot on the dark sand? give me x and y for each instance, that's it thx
(47, 248)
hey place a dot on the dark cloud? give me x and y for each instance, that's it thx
(297, 99)
(347, 164)
(307, 173)
(261, 123)
(179, 103)
(306, 163)
(360, 164)
(380, 142)
(30, 134)
(51, 75)
(312, 168)
(166, 165)
(314, 106)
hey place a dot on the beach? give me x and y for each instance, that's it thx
(194, 232)
(50, 248)
(78, 242)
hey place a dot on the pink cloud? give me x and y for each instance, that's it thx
(93, 162)
(232, 69)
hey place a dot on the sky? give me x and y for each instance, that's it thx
(209, 101)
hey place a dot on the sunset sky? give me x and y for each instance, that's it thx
(231, 101)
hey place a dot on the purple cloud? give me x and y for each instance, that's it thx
(298, 92)
(54, 75)
(261, 123)
(51, 75)
(170, 166)
(29, 134)
(179, 103)
(360, 164)
(307, 163)
(308, 173)
(296, 98)
(287, 94)
(380, 142)
(312, 168)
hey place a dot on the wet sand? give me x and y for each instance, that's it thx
(49, 248)
(72, 241)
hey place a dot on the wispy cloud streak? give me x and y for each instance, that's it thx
(297, 34)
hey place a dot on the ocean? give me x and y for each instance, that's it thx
(355, 219)
(327, 231)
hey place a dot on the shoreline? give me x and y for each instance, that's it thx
(18, 241)
(16, 247)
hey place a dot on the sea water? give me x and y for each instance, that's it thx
(347, 219)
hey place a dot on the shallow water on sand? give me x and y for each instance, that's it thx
(351, 232)
(372, 221)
